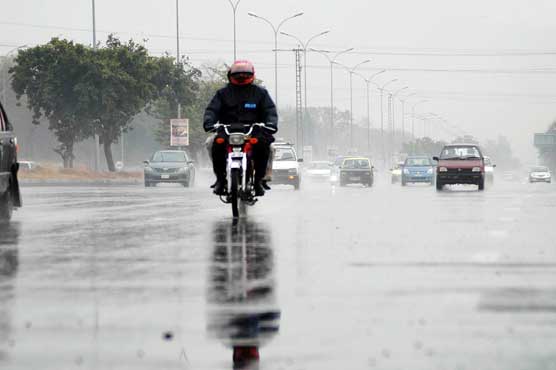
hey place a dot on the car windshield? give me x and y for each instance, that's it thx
(539, 169)
(284, 154)
(356, 163)
(460, 152)
(169, 157)
(319, 166)
(417, 162)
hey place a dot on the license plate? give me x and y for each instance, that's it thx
(354, 178)
(164, 176)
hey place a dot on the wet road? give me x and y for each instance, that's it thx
(347, 278)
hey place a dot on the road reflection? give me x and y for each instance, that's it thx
(242, 309)
(9, 237)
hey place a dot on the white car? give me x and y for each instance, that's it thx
(489, 169)
(285, 166)
(396, 172)
(540, 174)
(318, 170)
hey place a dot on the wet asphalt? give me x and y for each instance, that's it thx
(323, 278)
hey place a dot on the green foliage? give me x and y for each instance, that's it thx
(84, 91)
(165, 108)
(50, 76)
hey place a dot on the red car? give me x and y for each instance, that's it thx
(460, 164)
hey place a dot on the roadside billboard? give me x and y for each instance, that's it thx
(179, 132)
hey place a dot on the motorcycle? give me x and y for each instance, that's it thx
(239, 168)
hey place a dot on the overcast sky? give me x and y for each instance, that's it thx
(488, 66)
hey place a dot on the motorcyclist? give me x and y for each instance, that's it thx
(241, 101)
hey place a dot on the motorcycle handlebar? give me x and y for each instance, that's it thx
(219, 126)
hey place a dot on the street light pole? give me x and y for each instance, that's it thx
(381, 89)
(234, 9)
(305, 47)
(351, 71)
(332, 61)
(275, 29)
(403, 113)
(368, 82)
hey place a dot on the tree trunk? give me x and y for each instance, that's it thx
(108, 154)
(66, 152)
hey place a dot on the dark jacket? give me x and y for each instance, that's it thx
(241, 104)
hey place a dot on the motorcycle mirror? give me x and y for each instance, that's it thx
(435, 158)
(146, 163)
(300, 160)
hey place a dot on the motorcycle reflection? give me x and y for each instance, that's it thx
(242, 308)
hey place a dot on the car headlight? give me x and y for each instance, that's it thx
(182, 169)
(292, 170)
(406, 171)
(148, 168)
(442, 169)
(429, 171)
(476, 169)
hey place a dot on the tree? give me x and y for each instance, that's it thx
(49, 75)
(119, 84)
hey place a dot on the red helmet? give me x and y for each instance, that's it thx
(242, 72)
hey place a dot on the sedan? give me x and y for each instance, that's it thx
(540, 174)
(418, 169)
(172, 166)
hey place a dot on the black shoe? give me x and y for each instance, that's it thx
(259, 189)
(220, 188)
(213, 185)
(265, 185)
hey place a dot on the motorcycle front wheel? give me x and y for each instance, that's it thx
(234, 190)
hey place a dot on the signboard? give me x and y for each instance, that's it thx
(179, 132)
(545, 140)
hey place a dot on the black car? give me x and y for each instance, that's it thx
(356, 170)
(9, 185)
(173, 166)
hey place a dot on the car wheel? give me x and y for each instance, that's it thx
(297, 185)
(403, 182)
(481, 184)
(6, 206)
(439, 185)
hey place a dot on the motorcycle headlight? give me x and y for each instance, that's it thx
(442, 169)
(237, 139)
(476, 169)
(429, 171)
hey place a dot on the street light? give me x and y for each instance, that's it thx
(393, 99)
(276, 29)
(305, 47)
(351, 71)
(381, 89)
(403, 100)
(368, 82)
(413, 116)
(234, 10)
(331, 61)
